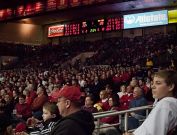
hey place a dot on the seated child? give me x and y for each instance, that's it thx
(50, 117)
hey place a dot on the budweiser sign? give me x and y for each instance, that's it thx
(55, 31)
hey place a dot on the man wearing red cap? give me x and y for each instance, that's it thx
(75, 121)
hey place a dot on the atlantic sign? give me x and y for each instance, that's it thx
(146, 19)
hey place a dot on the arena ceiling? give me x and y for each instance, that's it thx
(100, 10)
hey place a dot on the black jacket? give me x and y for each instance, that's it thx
(79, 123)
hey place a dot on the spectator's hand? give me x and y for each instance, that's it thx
(132, 114)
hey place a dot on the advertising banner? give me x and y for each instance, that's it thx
(56, 31)
(146, 19)
(172, 16)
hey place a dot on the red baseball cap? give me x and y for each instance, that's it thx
(72, 93)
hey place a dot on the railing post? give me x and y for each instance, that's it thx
(126, 122)
(98, 126)
(120, 121)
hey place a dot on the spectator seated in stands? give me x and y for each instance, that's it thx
(28, 98)
(74, 121)
(50, 117)
(96, 87)
(15, 97)
(22, 110)
(137, 101)
(143, 86)
(149, 63)
(103, 104)
(125, 99)
(54, 93)
(89, 101)
(32, 91)
(107, 121)
(3, 120)
(122, 91)
(38, 102)
(109, 90)
(114, 106)
(162, 120)
(8, 108)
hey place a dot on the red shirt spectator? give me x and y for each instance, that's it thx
(23, 110)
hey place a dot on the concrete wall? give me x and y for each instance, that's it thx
(21, 33)
(152, 30)
(131, 33)
(172, 28)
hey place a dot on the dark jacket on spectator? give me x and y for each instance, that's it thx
(79, 123)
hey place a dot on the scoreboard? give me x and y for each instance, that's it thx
(88, 26)
(42, 6)
(102, 25)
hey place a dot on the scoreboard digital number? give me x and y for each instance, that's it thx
(72, 29)
(92, 26)
(100, 25)
(114, 24)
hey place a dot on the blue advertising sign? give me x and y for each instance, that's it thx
(146, 19)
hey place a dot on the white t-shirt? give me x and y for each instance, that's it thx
(162, 118)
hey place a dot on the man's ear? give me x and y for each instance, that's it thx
(68, 103)
(171, 87)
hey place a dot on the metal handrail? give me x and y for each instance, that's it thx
(100, 115)
(107, 113)
(104, 112)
